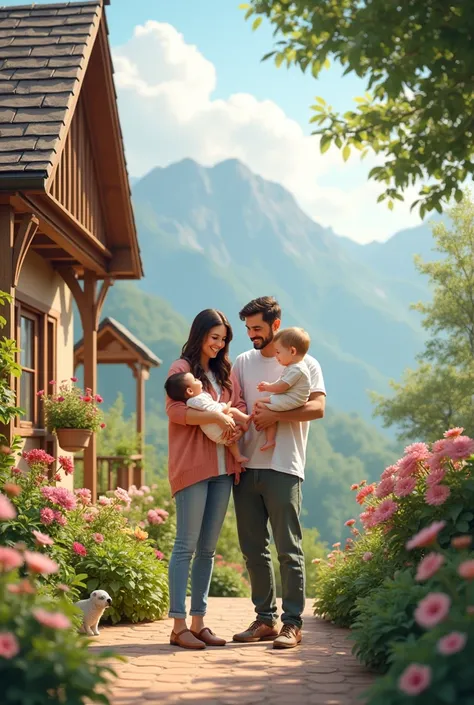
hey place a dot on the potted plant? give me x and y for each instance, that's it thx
(73, 415)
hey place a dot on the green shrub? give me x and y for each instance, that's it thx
(385, 616)
(227, 581)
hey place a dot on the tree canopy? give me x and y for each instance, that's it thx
(417, 59)
(440, 392)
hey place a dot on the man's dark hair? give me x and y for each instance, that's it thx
(268, 306)
(175, 386)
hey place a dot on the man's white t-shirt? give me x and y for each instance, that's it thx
(289, 453)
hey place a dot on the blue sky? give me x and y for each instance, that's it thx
(191, 83)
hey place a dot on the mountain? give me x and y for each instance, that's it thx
(217, 237)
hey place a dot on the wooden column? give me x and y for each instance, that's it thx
(141, 374)
(7, 240)
(89, 301)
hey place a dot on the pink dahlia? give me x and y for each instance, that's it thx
(52, 620)
(389, 472)
(104, 501)
(407, 466)
(159, 555)
(385, 487)
(122, 495)
(98, 399)
(350, 522)
(452, 643)
(368, 518)
(437, 494)
(385, 511)
(9, 559)
(98, 538)
(47, 516)
(37, 455)
(354, 487)
(7, 510)
(460, 448)
(73, 379)
(42, 539)
(454, 432)
(64, 498)
(432, 609)
(415, 679)
(79, 549)
(60, 518)
(24, 587)
(364, 493)
(84, 496)
(405, 486)
(153, 517)
(9, 646)
(426, 536)
(439, 447)
(39, 563)
(435, 477)
(429, 566)
(460, 542)
(368, 555)
(420, 451)
(67, 464)
(466, 569)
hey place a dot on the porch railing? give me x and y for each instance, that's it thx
(115, 471)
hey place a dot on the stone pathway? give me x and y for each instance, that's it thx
(322, 671)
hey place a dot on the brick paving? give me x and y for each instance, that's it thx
(322, 671)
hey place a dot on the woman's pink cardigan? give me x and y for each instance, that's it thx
(192, 457)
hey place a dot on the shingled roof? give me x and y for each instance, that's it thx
(43, 55)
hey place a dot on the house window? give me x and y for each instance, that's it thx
(28, 342)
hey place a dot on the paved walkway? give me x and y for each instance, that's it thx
(322, 671)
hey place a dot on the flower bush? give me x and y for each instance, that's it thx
(68, 407)
(152, 509)
(227, 580)
(436, 667)
(43, 659)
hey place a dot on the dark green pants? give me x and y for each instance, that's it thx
(265, 496)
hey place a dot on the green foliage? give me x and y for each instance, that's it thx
(449, 675)
(418, 71)
(438, 393)
(70, 407)
(8, 367)
(347, 576)
(227, 581)
(385, 616)
(119, 436)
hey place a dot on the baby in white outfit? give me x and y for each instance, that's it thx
(292, 389)
(183, 386)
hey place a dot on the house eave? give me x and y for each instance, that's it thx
(11, 182)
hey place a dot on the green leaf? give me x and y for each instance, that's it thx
(346, 152)
(325, 143)
(256, 23)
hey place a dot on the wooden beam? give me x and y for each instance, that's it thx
(26, 231)
(141, 374)
(7, 243)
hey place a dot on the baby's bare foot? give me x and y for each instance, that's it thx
(242, 459)
(268, 445)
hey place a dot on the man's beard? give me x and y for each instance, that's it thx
(260, 343)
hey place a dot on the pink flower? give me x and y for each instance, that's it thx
(316, 561)
(60, 399)
(53, 620)
(73, 379)
(24, 587)
(122, 495)
(89, 517)
(9, 646)
(429, 566)
(153, 517)
(40, 393)
(364, 493)
(67, 464)
(87, 398)
(37, 455)
(350, 522)
(42, 539)
(451, 643)
(368, 555)
(9, 559)
(84, 496)
(408, 466)
(11, 489)
(385, 487)
(162, 513)
(7, 510)
(437, 494)
(336, 545)
(432, 609)
(17, 471)
(159, 555)
(39, 563)
(466, 569)
(388, 472)
(60, 518)
(60, 496)
(354, 487)
(415, 679)
(435, 477)
(426, 536)
(47, 516)
(385, 511)
(460, 448)
(453, 432)
(460, 542)
(420, 451)
(405, 486)
(98, 399)
(98, 538)
(367, 518)
(53, 381)
(104, 501)
(79, 549)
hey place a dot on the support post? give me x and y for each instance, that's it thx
(141, 374)
(7, 242)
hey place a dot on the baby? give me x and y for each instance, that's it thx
(292, 389)
(183, 386)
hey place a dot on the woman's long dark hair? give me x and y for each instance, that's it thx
(220, 365)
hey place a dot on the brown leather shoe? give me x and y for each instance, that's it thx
(288, 638)
(186, 639)
(209, 638)
(257, 631)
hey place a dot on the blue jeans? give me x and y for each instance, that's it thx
(200, 513)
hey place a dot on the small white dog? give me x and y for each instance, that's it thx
(93, 609)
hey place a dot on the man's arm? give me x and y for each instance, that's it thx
(312, 410)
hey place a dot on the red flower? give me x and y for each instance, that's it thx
(40, 393)
(60, 399)
(79, 549)
(53, 381)
(98, 399)
(73, 379)
(87, 398)
(103, 425)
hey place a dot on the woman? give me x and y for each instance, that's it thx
(201, 475)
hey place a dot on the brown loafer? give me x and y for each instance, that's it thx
(187, 640)
(209, 638)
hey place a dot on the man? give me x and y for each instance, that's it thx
(270, 489)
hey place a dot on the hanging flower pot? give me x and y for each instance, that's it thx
(73, 439)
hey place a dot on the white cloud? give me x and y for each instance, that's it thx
(165, 89)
